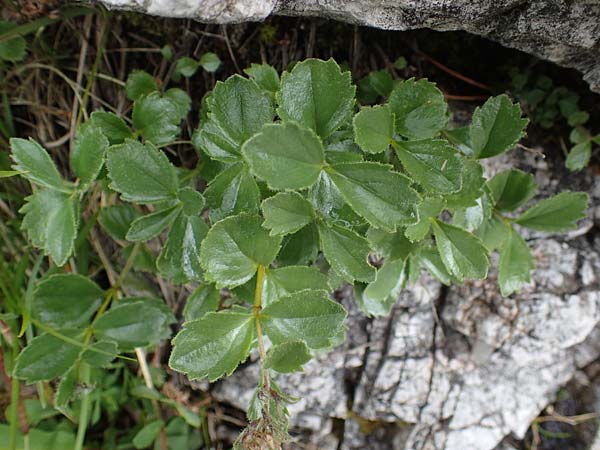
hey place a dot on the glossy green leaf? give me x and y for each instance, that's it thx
(179, 259)
(151, 225)
(383, 197)
(381, 294)
(492, 232)
(285, 155)
(428, 208)
(347, 253)
(116, 219)
(389, 245)
(374, 128)
(558, 213)
(579, 156)
(114, 128)
(46, 357)
(141, 173)
(300, 248)
(515, 264)
(308, 316)
(35, 164)
(139, 83)
(100, 353)
(135, 322)
(430, 259)
(472, 218)
(286, 280)
(192, 201)
(462, 253)
(317, 95)
(146, 436)
(286, 212)
(264, 75)
(231, 192)
(419, 108)
(66, 300)
(288, 357)
(235, 247)
(496, 127)
(87, 155)
(213, 346)
(210, 62)
(472, 184)
(156, 118)
(204, 299)
(432, 163)
(511, 188)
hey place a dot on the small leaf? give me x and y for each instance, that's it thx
(135, 322)
(428, 208)
(578, 118)
(286, 213)
(430, 259)
(265, 76)
(65, 390)
(347, 253)
(374, 128)
(381, 294)
(116, 219)
(204, 299)
(151, 225)
(139, 83)
(300, 248)
(100, 354)
(511, 188)
(10, 173)
(210, 62)
(13, 49)
(182, 102)
(231, 192)
(46, 357)
(87, 156)
(472, 218)
(389, 245)
(66, 300)
(492, 232)
(383, 197)
(156, 118)
(141, 173)
(288, 357)
(432, 163)
(317, 95)
(113, 127)
(286, 280)
(146, 436)
(558, 213)
(419, 108)
(462, 253)
(212, 346)
(193, 201)
(285, 155)
(179, 259)
(35, 164)
(496, 127)
(471, 189)
(515, 265)
(235, 247)
(579, 156)
(186, 67)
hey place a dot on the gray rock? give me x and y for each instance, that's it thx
(566, 32)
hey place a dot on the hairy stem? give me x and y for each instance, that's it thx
(259, 336)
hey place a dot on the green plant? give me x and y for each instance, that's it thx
(304, 192)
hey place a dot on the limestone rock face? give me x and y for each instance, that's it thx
(566, 32)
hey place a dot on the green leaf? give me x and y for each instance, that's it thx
(288, 357)
(460, 138)
(116, 219)
(380, 295)
(100, 354)
(496, 127)
(347, 253)
(472, 218)
(204, 299)
(89, 150)
(66, 300)
(135, 322)
(151, 225)
(193, 201)
(46, 357)
(213, 346)
(515, 264)
(492, 232)
(181, 100)
(374, 128)
(316, 94)
(285, 155)
(430, 259)
(462, 253)
(428, 208)
(156, 118)
(12, 49)
(210, 62)
(141, 173)
(308, 316)
(511, 188)
(383, 197)
(327, 199)
(382, 82)
(419, 108)
(231, 192)
(114, 128)
(579, 156)
(286, 213)
(146, 436)
(471, 189)
(389, 245)
(286, 280)
(139, 83)
(558, 213)
(51, 221)
(186, 67)
(265, 76)
(235, 247)
(35, 164)
(432, 163)
(66, 388)
(300, 248)
(10, 173)
(179, 259)
(578, 118)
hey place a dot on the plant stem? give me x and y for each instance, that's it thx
(85, 409)
(14, 400)
(259, 336)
